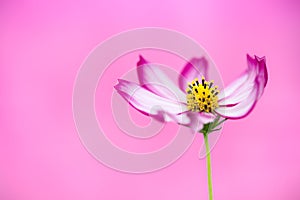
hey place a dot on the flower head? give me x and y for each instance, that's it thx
(197, 101)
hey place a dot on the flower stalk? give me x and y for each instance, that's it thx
(208, 128)
(208, 162)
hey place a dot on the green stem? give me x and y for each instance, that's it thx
(210, 192)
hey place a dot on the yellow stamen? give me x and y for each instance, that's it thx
(202, 96)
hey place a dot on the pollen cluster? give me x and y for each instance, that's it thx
(202, 96)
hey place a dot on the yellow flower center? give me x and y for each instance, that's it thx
(202, 97)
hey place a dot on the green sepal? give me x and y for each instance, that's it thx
(212, 126)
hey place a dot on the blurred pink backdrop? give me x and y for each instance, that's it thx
(42, 46)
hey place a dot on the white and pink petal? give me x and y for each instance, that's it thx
(241, 88)
(195, 68)
(151, 104)
(154, 79)
(238, 99)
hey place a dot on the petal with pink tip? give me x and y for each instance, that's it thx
(241, 88)
(151, 104)
(154, 79)
(238, 99)
(195, 68)
(263, 73)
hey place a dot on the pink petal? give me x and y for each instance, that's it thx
(241, 109)
(239, 98)
(263, 73)
(241, 88)
(148, 103)
(151, 77)
(193, 69)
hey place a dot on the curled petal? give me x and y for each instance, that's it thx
(196, 68)
(262, 73)
(241, 88)
(151, 104)
(238, 99)
(152, 78)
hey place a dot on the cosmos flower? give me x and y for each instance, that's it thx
(194, 101)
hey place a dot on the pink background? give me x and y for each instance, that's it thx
(42, 46)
